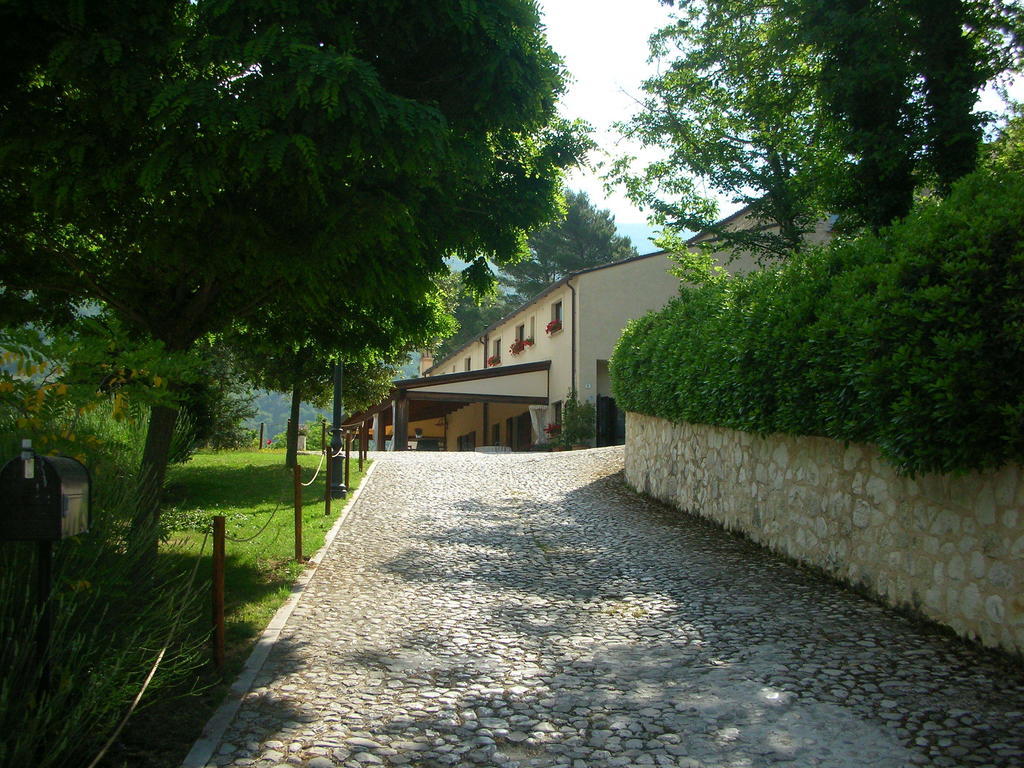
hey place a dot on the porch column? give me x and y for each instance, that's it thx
(378, 432)
(400, 432)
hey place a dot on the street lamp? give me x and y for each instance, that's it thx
(338, 489)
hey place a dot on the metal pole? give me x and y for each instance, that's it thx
(297, 481)
(260, 446)
(218, 592)
(338, 487)
(44, 585)
(323, 435)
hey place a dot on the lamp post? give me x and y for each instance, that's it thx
(338, 489)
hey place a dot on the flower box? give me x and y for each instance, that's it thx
(553, 327)
(493, 360)
(519, 345)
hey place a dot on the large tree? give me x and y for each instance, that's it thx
(472, 312)
(734, 113)
(186, 162)
(801, 107)
(901, 79)
(584, 237)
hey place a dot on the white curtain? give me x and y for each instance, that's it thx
(539, 420)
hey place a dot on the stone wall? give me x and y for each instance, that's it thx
(949, 547)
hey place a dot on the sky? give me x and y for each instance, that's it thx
(604, 46)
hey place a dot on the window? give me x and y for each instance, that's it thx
(520, 332)
(496, 434)
(557, 409)
(532, 334)
(469, 364)
(555, 324)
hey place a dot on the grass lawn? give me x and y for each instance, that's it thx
(247, 488)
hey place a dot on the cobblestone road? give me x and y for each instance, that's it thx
(528, 610)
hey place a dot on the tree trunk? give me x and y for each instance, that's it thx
(291, 454)
(152, 472)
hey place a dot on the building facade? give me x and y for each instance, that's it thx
(502, 389)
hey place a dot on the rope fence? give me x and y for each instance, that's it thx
(179, 611)
(312, 480)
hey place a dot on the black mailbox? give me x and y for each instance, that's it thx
(43, 498)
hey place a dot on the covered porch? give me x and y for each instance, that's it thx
(504, 406)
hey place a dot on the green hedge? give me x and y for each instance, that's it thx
(912, 339)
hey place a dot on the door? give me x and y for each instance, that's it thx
(611, 422)
(524, 432)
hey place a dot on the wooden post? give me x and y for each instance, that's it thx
(348, 448)
(323, 435)
(327, 480)
(362, 443)
(44, 630)
(297, 478)
(218, 592)
(260, 446)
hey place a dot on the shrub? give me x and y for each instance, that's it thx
(577, 426)
(912, 339)
(109, 621)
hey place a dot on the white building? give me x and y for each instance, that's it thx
(505, 386)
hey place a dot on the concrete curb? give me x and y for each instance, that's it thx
(203, 749)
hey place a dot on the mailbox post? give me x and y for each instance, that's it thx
(43, 499)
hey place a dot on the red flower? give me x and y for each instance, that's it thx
(519, 345)
(493, 360)
(553, 429)
(554, 325)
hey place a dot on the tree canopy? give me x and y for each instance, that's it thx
(801, 107)
(584, 237)
(901, 80)
(472, 313)
(279, 351)
(186, 163)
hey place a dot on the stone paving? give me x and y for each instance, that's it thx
(528, 610)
